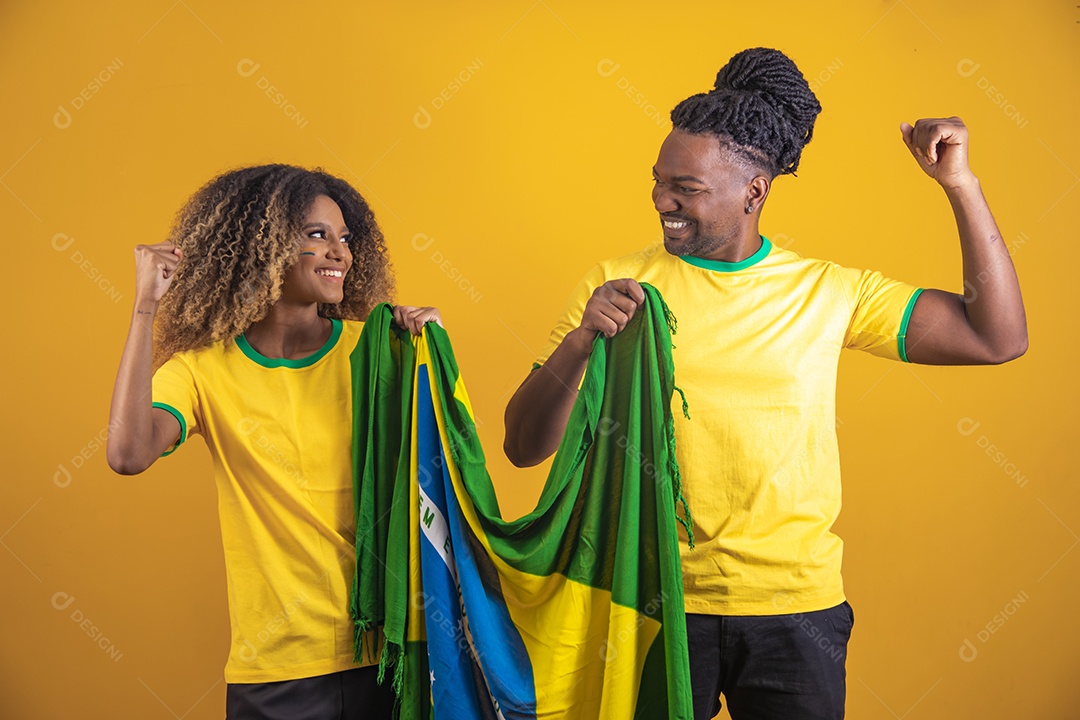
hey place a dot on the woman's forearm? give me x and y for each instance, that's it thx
(130, 447)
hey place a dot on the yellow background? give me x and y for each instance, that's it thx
(504, 134)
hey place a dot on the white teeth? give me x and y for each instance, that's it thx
(673, 225)
(329, 273)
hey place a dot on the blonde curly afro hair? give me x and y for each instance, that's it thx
(239, 235)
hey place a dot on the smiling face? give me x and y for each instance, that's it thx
(701, 193)
(325, 258)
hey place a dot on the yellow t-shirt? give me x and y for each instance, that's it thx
(756, 354)
(280, 436)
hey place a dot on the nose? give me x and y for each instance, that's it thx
(339, 250)
(663, 199)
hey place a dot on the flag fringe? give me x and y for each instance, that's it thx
(686, 519)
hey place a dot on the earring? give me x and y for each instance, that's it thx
(749, 209)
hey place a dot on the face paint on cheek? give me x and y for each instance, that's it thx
(308, 253)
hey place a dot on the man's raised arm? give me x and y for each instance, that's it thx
(986, 325)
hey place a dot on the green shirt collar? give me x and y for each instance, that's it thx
(256, 356)
(724, 266)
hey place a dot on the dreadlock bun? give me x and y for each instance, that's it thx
(762, 103)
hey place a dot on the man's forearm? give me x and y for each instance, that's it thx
(536, 416)
(992, 299)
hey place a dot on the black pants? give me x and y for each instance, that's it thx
(347, 695)
(770, 667)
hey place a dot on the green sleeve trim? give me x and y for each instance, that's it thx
(901, 341)
(259, 358)
(183, 425)
(723, 266)
(536, 366)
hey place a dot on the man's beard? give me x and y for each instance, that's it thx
(701, 244)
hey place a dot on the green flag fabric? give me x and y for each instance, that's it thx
(574, 610)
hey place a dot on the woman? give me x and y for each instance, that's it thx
(256, 298)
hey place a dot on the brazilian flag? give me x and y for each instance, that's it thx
(574, 610)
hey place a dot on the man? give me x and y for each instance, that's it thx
(759, 337)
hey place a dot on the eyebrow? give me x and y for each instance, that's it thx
(324, 226)
(683, 178)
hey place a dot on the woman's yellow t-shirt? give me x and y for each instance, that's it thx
(280, 436)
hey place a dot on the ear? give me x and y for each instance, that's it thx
(757, 190)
